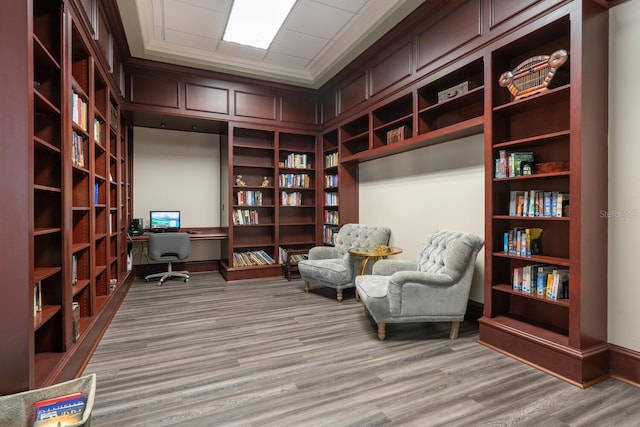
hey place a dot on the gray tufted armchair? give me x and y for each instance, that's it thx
(334, 266)
(433, 289)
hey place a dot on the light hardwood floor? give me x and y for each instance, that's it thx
(264, 353)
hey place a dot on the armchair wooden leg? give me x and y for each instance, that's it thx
(339, 295)
(382, 331)
(455, 327)
(306, 286)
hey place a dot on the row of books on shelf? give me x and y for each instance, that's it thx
(331, 217)
(514, 164)
(542, 280)
(59, 411)
(330, 181)
(539, 203)
(330, 234)
(77, 149)
(245, 217)
(291, 256)
(331, 160)
(297, 161)
(521, 241)
(291, 180)
(251, 258)
(79, 110)
(249, 198)
(331, 199)
(290, 198)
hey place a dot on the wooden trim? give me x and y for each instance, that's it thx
(74, 361)
(624, 364)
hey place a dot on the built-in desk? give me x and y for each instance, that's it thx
(219, 233)
(142, 265)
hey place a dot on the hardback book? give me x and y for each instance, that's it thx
(60, 411)
(75, 308)
(542, 277)
(517, 279)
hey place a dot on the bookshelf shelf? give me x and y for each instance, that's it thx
(508, 289)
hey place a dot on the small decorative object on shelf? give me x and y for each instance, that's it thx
(533, 75)
(456, 90)
(265, 182)
(398, 134)
(240, 182)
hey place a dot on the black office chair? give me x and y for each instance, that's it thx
(169, 247)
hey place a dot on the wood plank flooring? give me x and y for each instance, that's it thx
(264, 353)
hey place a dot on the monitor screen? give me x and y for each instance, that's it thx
(165, 219)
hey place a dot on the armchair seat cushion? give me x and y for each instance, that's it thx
(376, 286)
(330, 272)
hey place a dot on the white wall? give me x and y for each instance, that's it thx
(175, 170)
(414, 193)
(624, 175)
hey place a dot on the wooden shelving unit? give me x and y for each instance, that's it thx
(567, 123)
(271, 164)
(297, 175)
(330, 197)
(71, 195)
(252, 157)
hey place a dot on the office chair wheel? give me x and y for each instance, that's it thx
(146, 280)
(186, 280)
(159, 283)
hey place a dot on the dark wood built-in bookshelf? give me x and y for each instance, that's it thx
(565, 124)
(72, 199)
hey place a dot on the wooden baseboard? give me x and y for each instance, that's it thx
(75, 360)
(624, 364)
(474, 311)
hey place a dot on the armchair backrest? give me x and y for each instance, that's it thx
(449, 252)
(351, 235)
(169, 246)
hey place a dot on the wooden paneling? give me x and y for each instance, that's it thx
(391, 69)
(298, 109)
(353, 93)
(329, 107)
(105, 41)
(460, 27)
(255, 105)
(501, 10)
(206, 98)
(154, 91)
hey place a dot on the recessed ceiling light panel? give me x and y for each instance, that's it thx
(256, 22)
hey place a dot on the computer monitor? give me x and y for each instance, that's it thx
(164, 219)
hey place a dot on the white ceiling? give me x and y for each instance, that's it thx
(317, 39)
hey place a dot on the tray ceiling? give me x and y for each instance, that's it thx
(318, 38)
